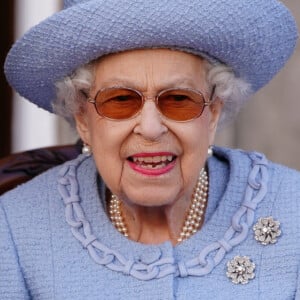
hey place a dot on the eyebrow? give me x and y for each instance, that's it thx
(176, 82)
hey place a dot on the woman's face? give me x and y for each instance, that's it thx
(126, 151)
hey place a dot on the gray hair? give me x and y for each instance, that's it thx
(233, 91)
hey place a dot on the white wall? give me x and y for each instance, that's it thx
(32, 126)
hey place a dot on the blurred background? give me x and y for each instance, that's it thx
(269, 123)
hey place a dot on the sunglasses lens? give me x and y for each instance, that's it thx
(180, 104)
(118, 103)
(125, 103)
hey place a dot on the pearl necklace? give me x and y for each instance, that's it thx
(193, 219)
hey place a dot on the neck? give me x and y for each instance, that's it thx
(154, 225)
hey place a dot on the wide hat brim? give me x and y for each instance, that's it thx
(255, 38)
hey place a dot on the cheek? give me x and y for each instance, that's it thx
(195, 136)
(107, 139)
(195, 142)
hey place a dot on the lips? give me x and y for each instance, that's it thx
(152, 164)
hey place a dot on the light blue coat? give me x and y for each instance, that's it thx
(56, 241)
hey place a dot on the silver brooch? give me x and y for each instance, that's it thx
(266, 230)
(240, 269)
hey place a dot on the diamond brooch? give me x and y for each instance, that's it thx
(240, 269)
(266, 230)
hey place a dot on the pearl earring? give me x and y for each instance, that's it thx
(210, 151)
(86, 149)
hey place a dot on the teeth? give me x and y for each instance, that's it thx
(153, 159)
(156, 159)
(148, 159)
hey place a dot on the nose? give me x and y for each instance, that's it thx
(149, 122)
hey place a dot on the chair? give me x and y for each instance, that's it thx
(21, 167)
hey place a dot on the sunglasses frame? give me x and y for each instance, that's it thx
(156, 98)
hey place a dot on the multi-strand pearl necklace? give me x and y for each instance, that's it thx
(194, 217)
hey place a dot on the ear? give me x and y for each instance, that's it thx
(82, 127)
(215, 110)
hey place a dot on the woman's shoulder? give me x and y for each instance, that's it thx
(282, 183)
(36, 187)
(35, 196)
(27, 206)
(284, 190)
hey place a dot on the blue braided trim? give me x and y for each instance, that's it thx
(203, 264)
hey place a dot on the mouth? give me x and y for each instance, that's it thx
(152, 163)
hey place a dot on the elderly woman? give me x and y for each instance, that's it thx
(151, 210)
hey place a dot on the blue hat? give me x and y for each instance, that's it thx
(254, 37)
